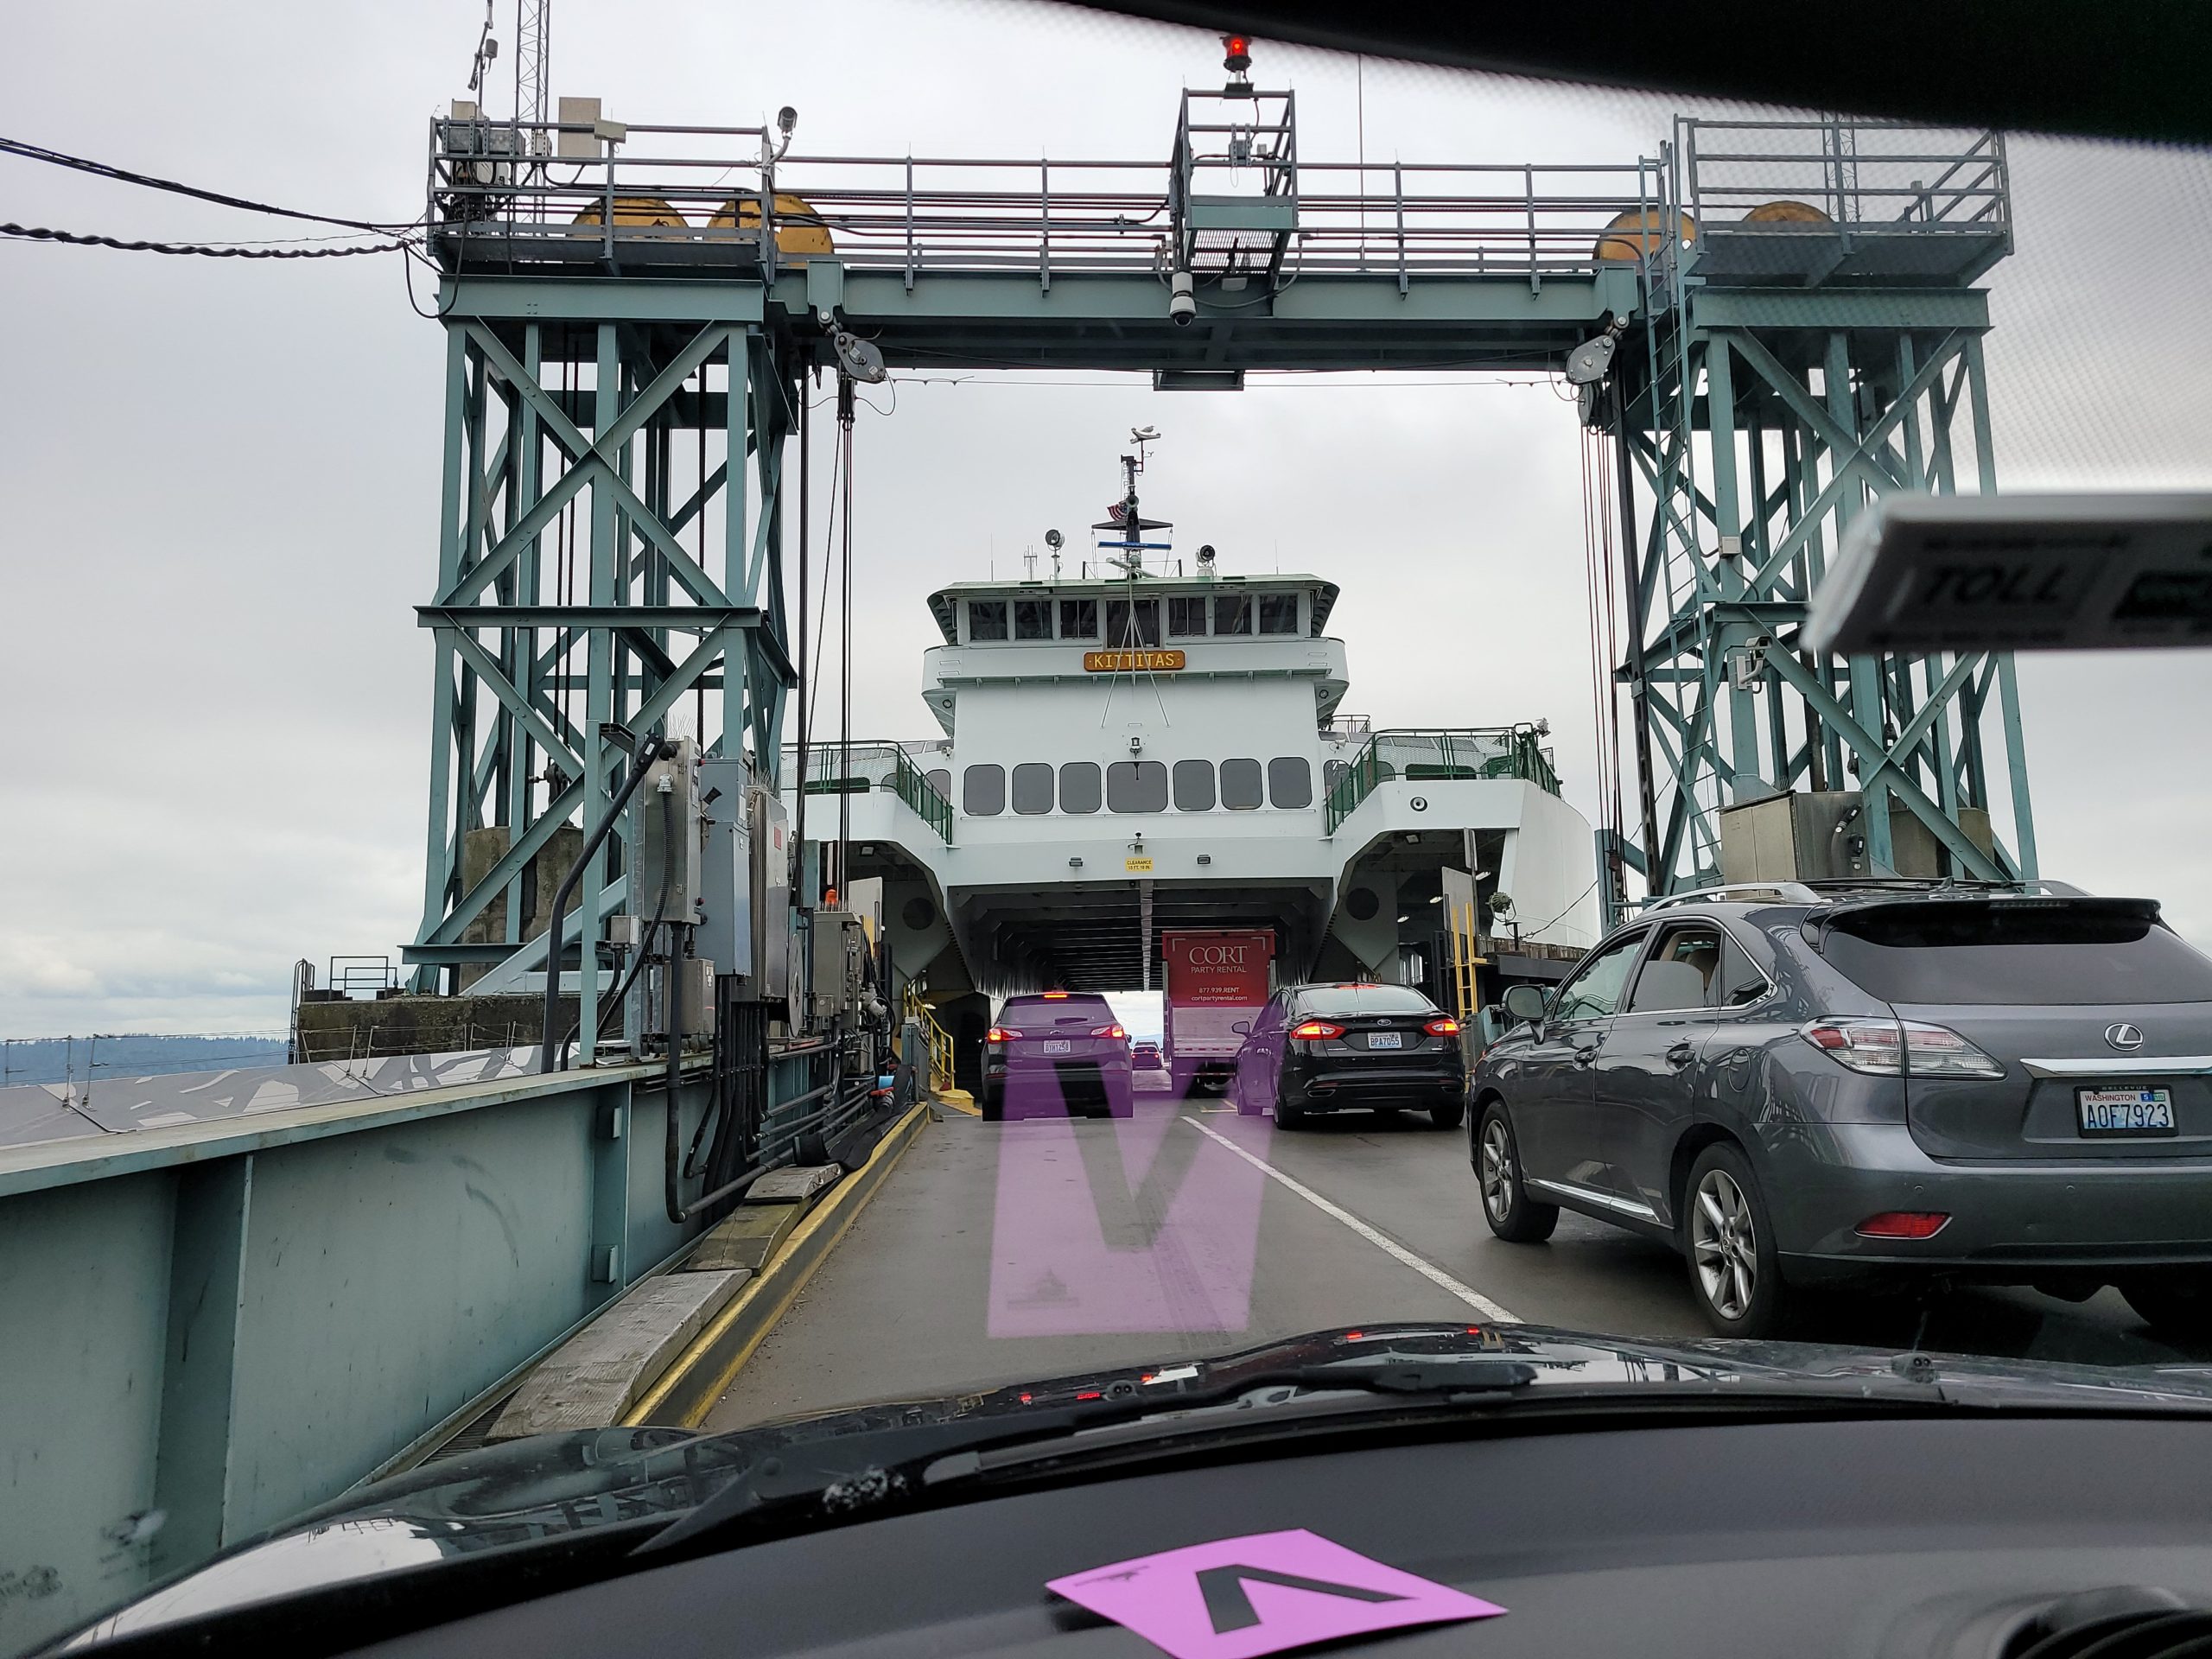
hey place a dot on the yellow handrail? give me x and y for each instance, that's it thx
(939, 1040)
(1466, 957)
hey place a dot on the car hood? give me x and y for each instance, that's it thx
(550, 1485)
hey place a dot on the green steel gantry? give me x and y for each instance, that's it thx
(1790, 362)
(630, 332)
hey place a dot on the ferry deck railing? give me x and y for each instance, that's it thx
(1440, 755)
(858, 768)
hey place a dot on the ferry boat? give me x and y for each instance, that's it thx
(1149, 744)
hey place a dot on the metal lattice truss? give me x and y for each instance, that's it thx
(1759, 408)
(581, 457)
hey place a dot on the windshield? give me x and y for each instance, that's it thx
(695, 738)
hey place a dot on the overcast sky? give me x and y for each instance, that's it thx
(221, 481)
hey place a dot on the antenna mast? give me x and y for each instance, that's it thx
(533, 38)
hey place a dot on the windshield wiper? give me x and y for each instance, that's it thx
(842, 1475)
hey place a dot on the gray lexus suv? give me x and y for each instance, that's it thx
(1804, 1083)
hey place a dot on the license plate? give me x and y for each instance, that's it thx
(1385, 1039)
(2126, 1111)
(1058, 1046)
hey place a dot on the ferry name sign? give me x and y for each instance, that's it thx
(1132, 662)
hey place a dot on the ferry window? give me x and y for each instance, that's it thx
(1186, 618)
(1131, 622)
(1290, 780)
(1078, 619)
(941, 781)
(1232, 613)
(1330, 770)
(987, 618)
(983, 791)
(1240, 784)
(1079, 784)
(1033, 788)
(1278, 613)
(1033, 618)
(1194, 786)
(1136, 786)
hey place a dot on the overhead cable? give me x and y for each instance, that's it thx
(101, 169)
(40, 233)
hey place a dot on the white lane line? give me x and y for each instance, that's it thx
(1389, 1246)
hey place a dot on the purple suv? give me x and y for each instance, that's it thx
(1049, 1052)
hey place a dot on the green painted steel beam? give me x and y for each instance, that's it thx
(681, 619)
(1885, 311)
(1141, 299)
(594, 299)
(51, 1164)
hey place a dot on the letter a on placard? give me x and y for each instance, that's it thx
(1243, 1597)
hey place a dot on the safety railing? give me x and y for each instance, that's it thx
(702, 196)
(1440, 756)
(858, 768)
(361, 975)
(921, 795)
(1875, 174)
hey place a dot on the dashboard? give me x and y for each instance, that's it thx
(1884, 1537)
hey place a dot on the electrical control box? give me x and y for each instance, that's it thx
(727, 874)
(1821, 836)
(841, 950)
(696, 976)
(667, 834)
(1815, 836)
(772, 897)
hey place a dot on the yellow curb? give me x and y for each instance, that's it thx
(735, 1334)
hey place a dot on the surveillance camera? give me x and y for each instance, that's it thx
(786, 118)
(1182, 304)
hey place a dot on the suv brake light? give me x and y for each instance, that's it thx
(1444, 1025)
(1312, 1031)
(1894, 1048)
(1000, 1034)
(1108, 1031)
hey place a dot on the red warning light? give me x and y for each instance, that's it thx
(1236, 53)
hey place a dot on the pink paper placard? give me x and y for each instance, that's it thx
(1261, 1593)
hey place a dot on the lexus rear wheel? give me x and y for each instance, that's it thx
(1729, 1241)
(1512, 1214)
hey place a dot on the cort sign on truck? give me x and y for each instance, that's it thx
(1215, 980)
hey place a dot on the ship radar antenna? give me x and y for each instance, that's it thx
(1128, 547)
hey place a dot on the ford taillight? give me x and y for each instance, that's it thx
(1314, 1030)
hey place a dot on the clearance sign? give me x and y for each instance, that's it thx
(1132, 662)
